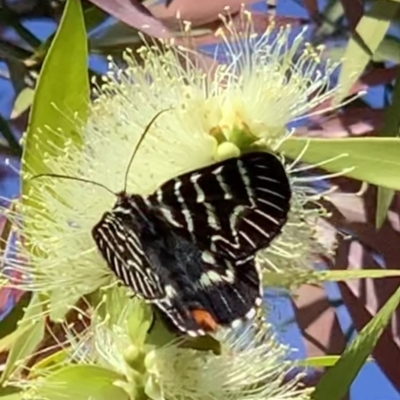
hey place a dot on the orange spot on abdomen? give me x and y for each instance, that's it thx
(204, 319)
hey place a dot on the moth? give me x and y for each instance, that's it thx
(189, 248)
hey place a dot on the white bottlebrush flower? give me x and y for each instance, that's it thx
(251, 364)
(263, 85)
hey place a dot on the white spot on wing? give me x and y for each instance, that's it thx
(229, 277)
(170, 291)
(159, 195)
(207, 257)
(244, 236)
(233, 219)
(263, 201)
(201, 198)
(265, 190)
(266, 216)
(169, 217)
(256, 227)
(211, 216)
(246, 181)
(185, 211)
(218, 170)
(210, 278)
(261, 166)
(266, 178)
(220, 179)
(200, 194)
(258, 301)
(251, 314)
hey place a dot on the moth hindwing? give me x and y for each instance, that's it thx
(190, 247)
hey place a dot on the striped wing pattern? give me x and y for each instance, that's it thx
(191, 245)
(236, 207)
(120, 246)
(227, 298)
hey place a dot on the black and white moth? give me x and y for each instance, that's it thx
(189, 248)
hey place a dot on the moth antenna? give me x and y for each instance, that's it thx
(73, 178)
(140, 142)
(127, 170)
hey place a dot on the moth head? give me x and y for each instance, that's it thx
(122, 199)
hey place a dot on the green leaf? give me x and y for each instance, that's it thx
(287, 281)
(12, 396)
(139, 322)
(344, 275)
(321, 361)
(62, 91)
(363, 44)
(10, 393)
(388, 50)
(336, 382)
(8, 341)
(22, 102)
(61, 95)
(282, 280)
(330, 16)
(391, 126)
(33, 326)
(203, 343)
(374, 160)
(159, 335)
(46, 365)
(82, 382)
(384, 200)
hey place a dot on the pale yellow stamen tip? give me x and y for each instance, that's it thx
(226, 150)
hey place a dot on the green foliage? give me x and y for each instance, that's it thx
(321, 361)
(347, 274)
(373, 160)
(31, 326)
(70, 95)
(390, 127)
(364, 42)
(336, 382)
(12, 396)
(82, 382)
(57, 101)
(22, 102)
